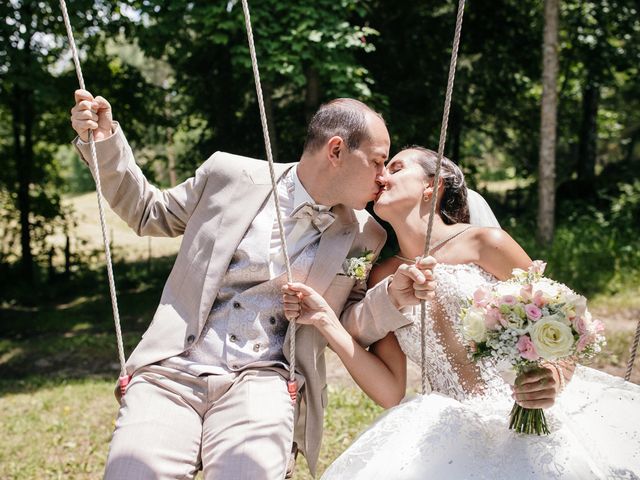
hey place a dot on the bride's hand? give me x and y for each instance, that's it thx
(537, 388)
(412, 283)
(304, 305)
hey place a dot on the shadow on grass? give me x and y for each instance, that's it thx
(67, 331)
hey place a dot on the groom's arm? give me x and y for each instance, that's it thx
(369, 315)
(147, 209)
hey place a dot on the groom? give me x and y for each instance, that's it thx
(209, 385)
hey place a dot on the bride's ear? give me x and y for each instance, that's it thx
(427, 193)
(428, 189)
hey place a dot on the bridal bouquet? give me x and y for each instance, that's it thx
(524, 322)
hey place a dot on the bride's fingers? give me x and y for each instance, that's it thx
(542, 383)
(300, 288)
(531, 404)
(535, 376)
(292, 310)
(526, 399)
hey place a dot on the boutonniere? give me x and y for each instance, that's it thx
(359, 267)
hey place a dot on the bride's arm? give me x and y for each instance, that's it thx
(380, 373)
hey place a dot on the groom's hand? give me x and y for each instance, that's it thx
(412, 283)
(93, 114)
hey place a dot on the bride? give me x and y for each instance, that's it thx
(460, 430)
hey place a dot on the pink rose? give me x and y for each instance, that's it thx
(598, 326)
(584, 341)
(538, 299)
(526, 292)
(581, 325)
(538, 266)
(509, 300)
(481, 296)
(526, 348)
(493, 319)
(533, 312)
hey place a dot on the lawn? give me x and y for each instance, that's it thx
(55, 428)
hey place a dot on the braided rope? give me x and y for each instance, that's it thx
(267, 145)
(443, 137)
(632, 355)
(103, 223)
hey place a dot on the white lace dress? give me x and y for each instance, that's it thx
(452, 434)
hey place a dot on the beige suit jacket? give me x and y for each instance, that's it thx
(212, 210)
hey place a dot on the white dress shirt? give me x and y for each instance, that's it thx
(299, 232)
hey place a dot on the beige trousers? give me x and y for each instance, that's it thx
(235, 426)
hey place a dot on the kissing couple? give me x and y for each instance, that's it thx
(209, 377)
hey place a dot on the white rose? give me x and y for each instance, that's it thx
(473, 327)
(548, 287)
(505, 288)
(577, 303)
(552, 338)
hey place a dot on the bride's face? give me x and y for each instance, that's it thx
(404, 186)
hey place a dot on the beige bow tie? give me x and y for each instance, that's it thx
(321, 219)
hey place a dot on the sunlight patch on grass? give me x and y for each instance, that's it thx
(80, 327)
(9, 355)
(78, 301)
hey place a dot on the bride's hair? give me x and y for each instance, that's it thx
(454, 207)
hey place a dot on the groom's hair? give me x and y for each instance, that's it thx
(343, 117)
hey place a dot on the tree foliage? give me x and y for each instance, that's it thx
(179, 77)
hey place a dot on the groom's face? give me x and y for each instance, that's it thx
(363, 168)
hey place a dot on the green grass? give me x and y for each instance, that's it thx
(55, 428)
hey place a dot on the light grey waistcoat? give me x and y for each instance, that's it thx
(246, 326)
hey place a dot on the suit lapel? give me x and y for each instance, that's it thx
(333, 249)
(248, 197)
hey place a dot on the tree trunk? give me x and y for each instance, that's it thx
(312, 93)
(548, 120)
(171, 159)
(267, 93)
(23, 153)
(22, 110)
(588, 133)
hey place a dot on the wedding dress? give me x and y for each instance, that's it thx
(460, 430)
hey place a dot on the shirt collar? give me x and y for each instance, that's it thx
(300, 194)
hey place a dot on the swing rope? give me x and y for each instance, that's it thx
(436, 178)
(292, 384)
(124, 378)
(632, 354)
